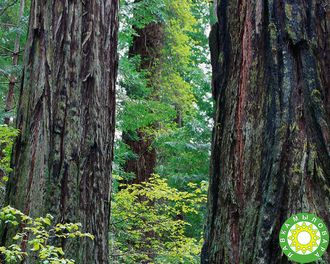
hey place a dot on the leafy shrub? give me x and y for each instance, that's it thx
(7, 137)
(148, 223)
(35, 237)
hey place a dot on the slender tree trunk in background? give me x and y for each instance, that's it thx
(271, 141)
(148, 45)
(13, 79)
(62, 158)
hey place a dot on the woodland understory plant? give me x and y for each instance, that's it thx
(7, 137)
(150, 220)
(37, 237)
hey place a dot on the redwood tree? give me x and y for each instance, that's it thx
(62, 158)
(147, 44)
(271, 139)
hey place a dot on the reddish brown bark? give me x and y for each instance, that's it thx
(270, 154)
(62, 158)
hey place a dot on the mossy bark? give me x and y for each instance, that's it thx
(271, 140)
(62, 158)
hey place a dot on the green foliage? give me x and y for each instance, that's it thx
(149, 223)
(11, 27)
(134, 81)
(173, 106)
(36, 236)
(180, 83)
(183, 152)
(175, 89)
(169, 83)
(141, 114)
(7, 137)
(135, 15)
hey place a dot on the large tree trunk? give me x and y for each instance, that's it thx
(147, 44)
(271, 141)
(62, 158)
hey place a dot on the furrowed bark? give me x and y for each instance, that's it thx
(62, 158)
(148, 45)
(271, 140)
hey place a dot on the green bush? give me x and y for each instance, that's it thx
(7, 137)
(37, 234)
(149, 223)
